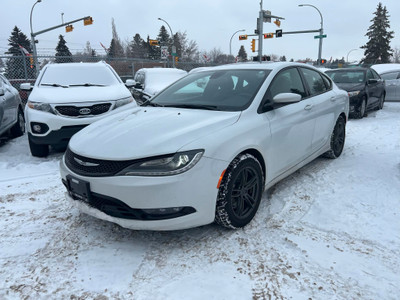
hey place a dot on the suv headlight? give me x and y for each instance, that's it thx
(123, 101)
(354, 93)
(165, 165)
(40, 106)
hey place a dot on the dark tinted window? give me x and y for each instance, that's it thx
(347, 76)
(314, 81)
(287, 81)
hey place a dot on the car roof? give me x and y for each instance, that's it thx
(348, 69)
(257, 66)
(76, 64)
(162, 70)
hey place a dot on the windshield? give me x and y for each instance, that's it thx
(65, 75)
(347, 76)
(226, 90)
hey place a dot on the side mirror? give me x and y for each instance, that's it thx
(130, 83)
(138, 85)
(26, 87)
(372, 81)
(2, 92)
(284, 98)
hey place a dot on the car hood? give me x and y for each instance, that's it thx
(351, 86)
(58, 95)
(147, 131)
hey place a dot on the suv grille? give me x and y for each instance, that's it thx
(94, 167)
(82, 111)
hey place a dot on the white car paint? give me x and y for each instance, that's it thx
(286, 139)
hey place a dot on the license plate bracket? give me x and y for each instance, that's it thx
(78, 189)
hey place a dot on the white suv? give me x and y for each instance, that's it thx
(67, 97)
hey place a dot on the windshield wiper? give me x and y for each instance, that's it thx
(87, 84)
(55, 85)
(195, 106)
(149, 103)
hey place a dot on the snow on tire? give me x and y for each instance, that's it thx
(240, 192)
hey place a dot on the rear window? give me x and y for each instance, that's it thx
(346, 76)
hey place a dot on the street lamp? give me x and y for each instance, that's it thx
(230, 42)
(347, 59)
(173, 43)
(33, 40)
(321, 32)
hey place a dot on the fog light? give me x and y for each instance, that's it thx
(163, 211)
(39, 128)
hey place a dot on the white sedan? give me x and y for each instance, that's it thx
(205, 148)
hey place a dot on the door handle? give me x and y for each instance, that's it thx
(308, 107)
(333, 98)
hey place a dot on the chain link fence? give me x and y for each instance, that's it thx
(21, 69)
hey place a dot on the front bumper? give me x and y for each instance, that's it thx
(195, 191)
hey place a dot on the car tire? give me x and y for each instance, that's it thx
(381, 102)
(362, 109)
(38, 150)
(240, 192)
(337, 139)
(19, 128)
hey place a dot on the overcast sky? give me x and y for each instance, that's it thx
(210, 23)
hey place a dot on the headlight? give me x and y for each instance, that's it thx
(354, 93)
(123, 101)
(164, 165)
(40, 106)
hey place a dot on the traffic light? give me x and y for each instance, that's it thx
(69, 28)
(243, 37)
(153, 42)
(277, 23)
(88, 21)
(253, 45)
(268, 35)
(323, 61)
(278, 33)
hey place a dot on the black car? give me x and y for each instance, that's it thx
(365, 87)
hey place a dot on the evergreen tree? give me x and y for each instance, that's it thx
(15, 65)
(63, 55)
(377, 49)
(163, 37)
(242, 55)
(136, 47)
(152, 51)
(116, 49)
(282, 58)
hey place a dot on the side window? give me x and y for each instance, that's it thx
(314, 81)
(376, 76)
(327, 82)
(390, 76)
(370, 75)
(287, 81)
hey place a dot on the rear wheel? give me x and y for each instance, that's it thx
(240, 192)
(337, 139)
(19, 128)
(38, 150)
(381, 101)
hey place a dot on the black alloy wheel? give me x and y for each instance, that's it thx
(240, 192)
(337, 139)
(19, 128)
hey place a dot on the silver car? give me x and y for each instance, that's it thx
(12, 120)
(392, 82)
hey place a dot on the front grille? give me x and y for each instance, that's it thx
(82, 111)
(94, 167)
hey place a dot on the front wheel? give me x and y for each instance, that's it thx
(337, 139)
(38, 150)
(362, 109)
(19, 128)
(240, 192)
(381, 101)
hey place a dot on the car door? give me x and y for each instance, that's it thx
(374, 88)
(392, 85)
(324, 106)
(8, 104)
(291, 125)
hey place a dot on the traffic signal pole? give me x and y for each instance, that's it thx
(260, 29)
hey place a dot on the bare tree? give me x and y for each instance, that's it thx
(396, 55)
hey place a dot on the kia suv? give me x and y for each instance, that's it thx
(67, 97)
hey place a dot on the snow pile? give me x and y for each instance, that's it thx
(329, 231)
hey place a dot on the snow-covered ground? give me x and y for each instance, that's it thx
(329, 231)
